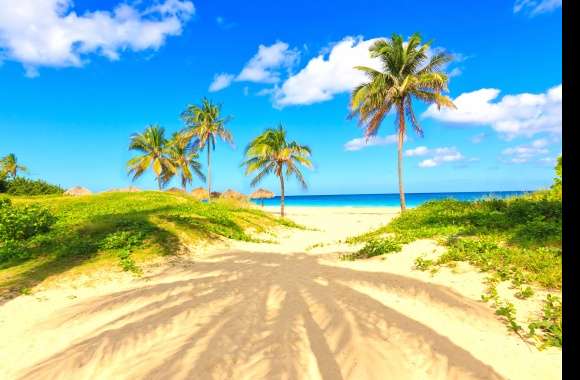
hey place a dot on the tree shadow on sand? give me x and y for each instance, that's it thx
(260, 315)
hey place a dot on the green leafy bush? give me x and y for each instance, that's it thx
(25, 186)
(373, 248)
(18, 224)
(21, 223)
(550, 325)
(123, 240)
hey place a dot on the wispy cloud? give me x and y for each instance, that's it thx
(362, 142)
(536, 7)
(436, 156)
(61, 38)
(224, 24)
(520, 154)
(514, 115)
(220, 81)
(478, 138)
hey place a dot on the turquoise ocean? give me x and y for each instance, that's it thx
(380, 200)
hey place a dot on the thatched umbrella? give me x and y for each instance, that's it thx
(262, 194)
(232, 194)
(78, 190)
(199, 193)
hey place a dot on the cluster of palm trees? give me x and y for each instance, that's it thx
(9, 166)
(178, 155)
(410, 71)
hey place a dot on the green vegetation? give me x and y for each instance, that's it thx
(408, 73)
(205, 123)
(519, 238)
(550, 324)
(373, 248)
(43, 236)
(25, 186)
(270, 153)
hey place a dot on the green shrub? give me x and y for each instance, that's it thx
(550, 324)
(25, 186)
(22, 223)
(123, 240)
(373, 248)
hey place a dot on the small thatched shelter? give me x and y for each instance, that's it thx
(215, 194)
(130, 189)
(200, 193)
(232, 194)
(262, 194)
(78, 190)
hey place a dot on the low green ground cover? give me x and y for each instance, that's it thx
(517, 239)
(57, 233)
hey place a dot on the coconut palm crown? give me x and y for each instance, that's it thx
(271, 153)
(184, 157)
(409, 71)
(152, 145)
(9, 166)
(205, 123)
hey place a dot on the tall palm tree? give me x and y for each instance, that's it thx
(152, 145)
(271, 153)
(9, 166)
(205, 123)
(183, 156)
(407, 73)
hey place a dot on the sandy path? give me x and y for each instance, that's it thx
(272, 311)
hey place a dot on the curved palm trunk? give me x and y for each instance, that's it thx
(282, 196)
(159, 182)
(208, 174)
(400, 160)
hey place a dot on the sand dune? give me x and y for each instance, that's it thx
(272, 311)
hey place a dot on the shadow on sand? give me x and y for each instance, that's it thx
(260, 315)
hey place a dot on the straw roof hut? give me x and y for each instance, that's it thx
(262, 194)
(78, 190)
(199, 193)
(232, 194)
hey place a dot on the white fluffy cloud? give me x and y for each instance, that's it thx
(362, 142)
(328, 74)
(514, 115)
(524, 153)
(535, 7)
(220, 81)
(50, 33)
(265, 65)
(436, 156)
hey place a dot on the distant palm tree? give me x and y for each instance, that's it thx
(271, 153)
(153, 146)
(407, 73)
(9, 166)
(205, 123)
(183, 156)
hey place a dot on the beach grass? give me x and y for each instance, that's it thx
(122, 230)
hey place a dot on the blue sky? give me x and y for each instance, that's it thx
(90, 73)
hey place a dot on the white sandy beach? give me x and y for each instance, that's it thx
(289, 310)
